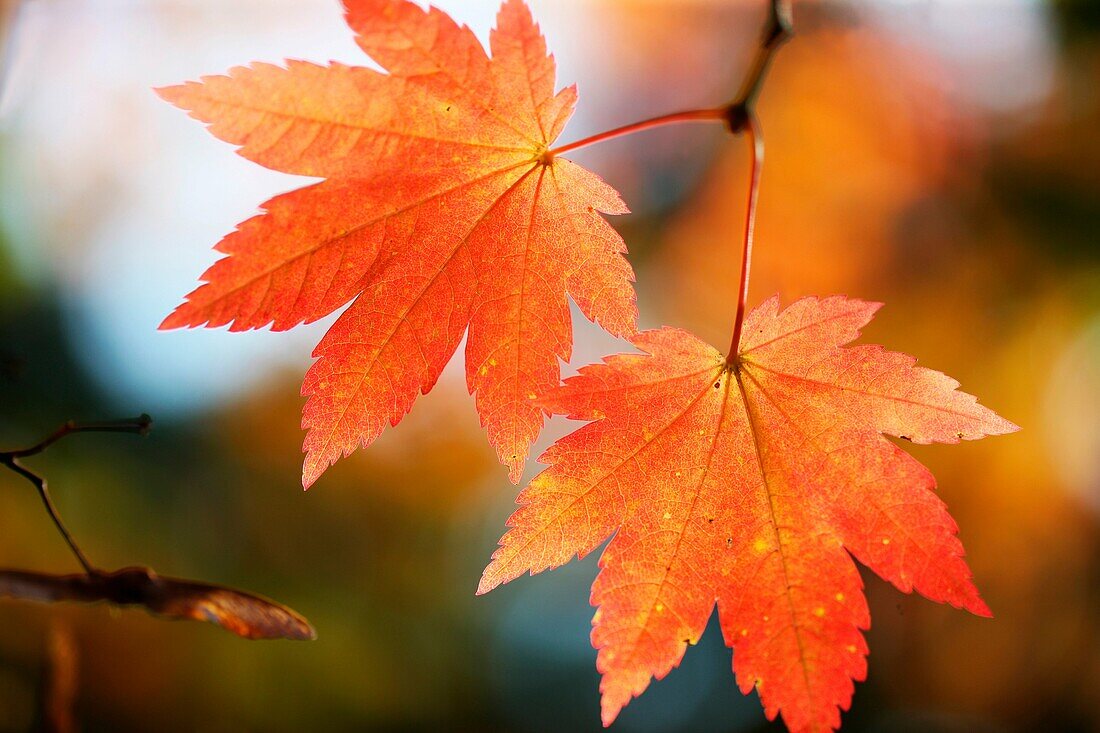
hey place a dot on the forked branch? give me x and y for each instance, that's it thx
(10, 459)
(244, 614)
(739, 116)
(777, 31)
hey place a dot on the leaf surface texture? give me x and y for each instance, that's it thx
(440, 215)
(751, 488)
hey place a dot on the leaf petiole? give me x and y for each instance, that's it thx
(756, 146)
(739, 116)
(715, 114)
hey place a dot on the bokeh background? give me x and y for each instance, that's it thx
(942, 157)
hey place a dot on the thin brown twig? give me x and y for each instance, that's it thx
(10, 459)
(778, 30)
(245, 614)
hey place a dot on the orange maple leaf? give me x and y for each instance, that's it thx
(442, 210)
(749, 486)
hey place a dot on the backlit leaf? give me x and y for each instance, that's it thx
(750, 487)
(442, 213)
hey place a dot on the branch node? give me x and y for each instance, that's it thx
(10, 459)
(780, 24)
(737, 117)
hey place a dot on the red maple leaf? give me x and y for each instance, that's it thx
(750, 486)
(442, 211)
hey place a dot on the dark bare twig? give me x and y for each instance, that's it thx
(139, 425)
(778, 31)
(244, 614)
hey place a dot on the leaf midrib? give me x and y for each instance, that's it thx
(774, 523)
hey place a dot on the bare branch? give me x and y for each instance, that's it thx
(779, 29)
(43, 492)
(244, 614)
(139, 425)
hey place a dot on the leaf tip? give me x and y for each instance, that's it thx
(979, 608)
(311, 471)
(173, 321)
(170, 93)
(487, 583)
(608, 711)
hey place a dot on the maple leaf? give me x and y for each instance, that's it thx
(442, 211)
(749, 487)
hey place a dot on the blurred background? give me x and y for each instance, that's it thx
(942, 157)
